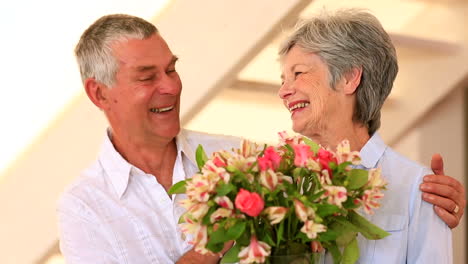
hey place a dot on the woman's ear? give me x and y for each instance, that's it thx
(97, 92)
(352, 80)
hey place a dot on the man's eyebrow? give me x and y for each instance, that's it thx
(145, 68)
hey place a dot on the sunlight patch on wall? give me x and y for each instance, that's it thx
(39, 73)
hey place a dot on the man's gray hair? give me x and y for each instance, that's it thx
(94, 49)
(347, 39)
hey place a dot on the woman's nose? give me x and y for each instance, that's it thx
(285, 90)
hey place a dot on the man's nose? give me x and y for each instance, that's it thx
(170, 85)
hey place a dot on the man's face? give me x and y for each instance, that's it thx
(144, 103)
(306, 92)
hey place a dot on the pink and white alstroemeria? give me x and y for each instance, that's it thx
(311, 229)
(248, 149)
(269, 179)
(220, 213)
(303, 212)
(189, 226)
(285, 138)
(201, 185)
(210, 168)
(255, 252)
(200, 241)
(375, 179)
(198, 210)
(335, 194)
(240, 162)
(369, 200)
(224, 202)
(344, 153)
(275, 214)
(324, 177)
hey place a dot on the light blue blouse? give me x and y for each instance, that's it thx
(418, 235)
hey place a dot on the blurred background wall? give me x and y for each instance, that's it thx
(50, 131)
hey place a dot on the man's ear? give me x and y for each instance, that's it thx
(352, 80)
(97, 92)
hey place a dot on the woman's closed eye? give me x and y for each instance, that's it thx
(297, 74)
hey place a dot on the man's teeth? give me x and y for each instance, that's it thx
(162, 110)
(299, 105)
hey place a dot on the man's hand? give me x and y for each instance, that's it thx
(193, 257)
(444, 192)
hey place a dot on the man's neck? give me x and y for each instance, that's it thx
(155, 157)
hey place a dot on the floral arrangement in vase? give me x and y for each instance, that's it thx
(277, 200)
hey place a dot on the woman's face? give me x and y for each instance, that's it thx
(307, 94)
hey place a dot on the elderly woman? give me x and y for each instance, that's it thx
(337, 71)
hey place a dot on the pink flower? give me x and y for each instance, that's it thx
(255, 252)
(275, 213)
(311, 229)
(324, 157)
(270, 160)
(269, 179)
(219, 162)
(302, 154)
(335, 194)
(249, 202)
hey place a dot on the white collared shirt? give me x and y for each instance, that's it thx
(116, 213)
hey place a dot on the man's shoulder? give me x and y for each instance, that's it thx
(402, 165)
(83, 191)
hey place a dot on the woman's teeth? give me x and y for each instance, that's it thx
(299, 105)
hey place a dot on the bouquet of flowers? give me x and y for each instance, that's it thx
(277, 200)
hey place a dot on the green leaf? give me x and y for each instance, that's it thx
(177, 188)
(224, 189)
(314, 146)
(217, 239)
(206, 219)
(366, 228)
(335, 252)
(357, 178)
(201, 157)
(349, 204)
(351, 252)
(267, 239)
(236, 231)
(326, 209)
(232, 255)
(345, 238)
(279, 234)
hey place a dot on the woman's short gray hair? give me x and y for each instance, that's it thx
(347, 39)
(94, 49)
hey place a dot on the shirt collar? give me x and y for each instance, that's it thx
(119, 170)
(372, 151)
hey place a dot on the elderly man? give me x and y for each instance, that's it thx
(119, 211)
(337, 70)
